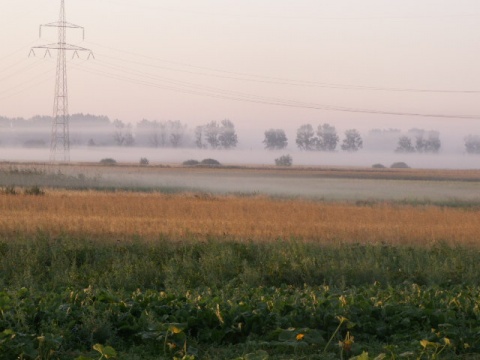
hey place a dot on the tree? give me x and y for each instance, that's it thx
(405, 145)
(123, 134)
(472, 144)
(353, 141)
(306, 139)
(199, 137)
(429, 144)
(227, 137)
(327, 138)
(177, 132)
(275, 139)
(211, 134)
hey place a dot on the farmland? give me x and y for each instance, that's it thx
(97, 266)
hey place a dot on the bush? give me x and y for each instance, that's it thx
(108, 161)
(285, 160)
(378, 166)
(211, 162)
(144, 161)
(8, 190)
(399, 165)
(191, 163)
(34, 190)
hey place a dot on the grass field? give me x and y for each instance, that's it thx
(199, 275)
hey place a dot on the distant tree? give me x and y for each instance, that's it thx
(405, 145)
(227, 136)
(275, 139)
(306, 139)
(212, 130)
(353, 141)
(428, 142)
(123, 134)
(327, 138)
(472, 144)
(177, 133)
(199, 137)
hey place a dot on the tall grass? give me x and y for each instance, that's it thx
(45, 263)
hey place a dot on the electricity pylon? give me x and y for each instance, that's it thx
(60, 138)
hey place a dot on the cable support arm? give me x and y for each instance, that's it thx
(59, 24)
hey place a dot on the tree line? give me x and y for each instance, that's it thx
(94, 130)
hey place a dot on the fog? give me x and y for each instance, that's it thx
(443, 160)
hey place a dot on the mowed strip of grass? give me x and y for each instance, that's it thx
(125, 215)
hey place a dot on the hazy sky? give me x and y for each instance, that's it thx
(159, 59)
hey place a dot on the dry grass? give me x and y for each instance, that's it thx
(119, 216)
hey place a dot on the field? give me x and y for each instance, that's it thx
(100, 265)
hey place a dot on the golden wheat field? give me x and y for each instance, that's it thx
(122, 215)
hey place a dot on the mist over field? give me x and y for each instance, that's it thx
(249, 157)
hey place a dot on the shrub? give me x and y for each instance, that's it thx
(108, 161)
(285, 160)
(400, 165)
(8, 190)
(144, 161)
(378, 166)
(211, 162)
(34, 190)
(191, 163)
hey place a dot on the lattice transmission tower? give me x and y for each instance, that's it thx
(60, 137)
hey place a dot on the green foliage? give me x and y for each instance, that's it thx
(378, 166)
(63, 297)
(285, 160)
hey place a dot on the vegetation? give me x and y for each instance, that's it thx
(399, 165)
(108, 161)
(91, 275)
(191, 162)
(210, 162)
(324, 139)
(275, 139)
(66, 297)
(216, 135)
(472, 144)
(125, 215)
(284, 160)
(352, 141)
(144, 161)
(425, 142)
(378, 166)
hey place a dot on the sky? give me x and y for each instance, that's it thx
(261, 63)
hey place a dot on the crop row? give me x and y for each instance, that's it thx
(309, 320)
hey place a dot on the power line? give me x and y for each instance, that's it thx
(196, 89)
(275, 80)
